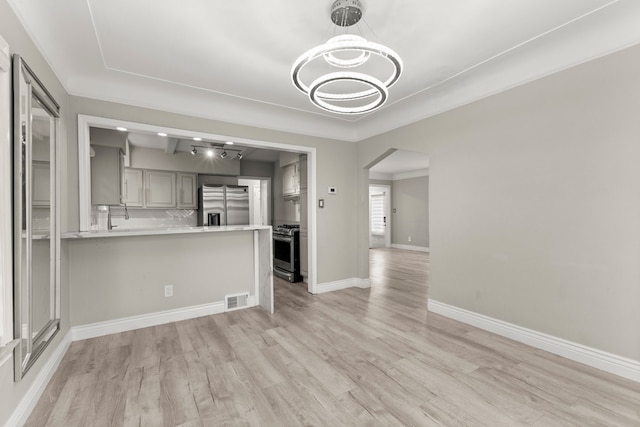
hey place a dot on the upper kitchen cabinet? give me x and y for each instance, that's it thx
(107, 175)
(160, 189)
(187, 190)
(133, 188)
(291, 180)
(107, 166)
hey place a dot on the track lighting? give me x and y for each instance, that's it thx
(213, 150)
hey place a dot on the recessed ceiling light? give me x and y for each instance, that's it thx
(197, 139)
(162, 134)
(120, 128)
(229, 143)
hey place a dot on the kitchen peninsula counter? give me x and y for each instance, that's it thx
(121, 276)
(125, 232)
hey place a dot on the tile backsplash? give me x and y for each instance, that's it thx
(149, 218)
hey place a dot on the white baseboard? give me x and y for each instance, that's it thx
(410, 247)
(99, 329)
(354, 282)
(30, 399)
(608, 362)
(363, 283)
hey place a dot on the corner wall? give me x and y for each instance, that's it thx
(535, 203)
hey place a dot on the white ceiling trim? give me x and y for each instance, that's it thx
(505, 52)
(511, 69)
(609, 27)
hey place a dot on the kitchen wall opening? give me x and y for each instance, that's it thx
(163, 171)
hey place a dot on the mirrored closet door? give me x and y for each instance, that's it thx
(36, 233)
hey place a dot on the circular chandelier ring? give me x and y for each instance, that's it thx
(347, 63)
(377, 87)
(339, 46)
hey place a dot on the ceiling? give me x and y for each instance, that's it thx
(231, 60)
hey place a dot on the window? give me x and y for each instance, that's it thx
(6, 258)
(377, 220)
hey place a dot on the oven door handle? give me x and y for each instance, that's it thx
(282, 239)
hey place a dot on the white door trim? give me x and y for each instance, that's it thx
(6, 179)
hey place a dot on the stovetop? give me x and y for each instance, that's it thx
(289, 226)
(286, 229)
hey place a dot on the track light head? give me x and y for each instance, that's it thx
(239, 155)
(223, 154)
(194, 151)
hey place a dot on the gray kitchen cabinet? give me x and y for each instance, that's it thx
(107, 175)
(291, 180)
(187, 190)
(160, 189)
(133, 187)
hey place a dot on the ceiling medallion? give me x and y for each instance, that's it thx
(354, 91)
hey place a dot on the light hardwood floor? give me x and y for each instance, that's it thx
(352, 357)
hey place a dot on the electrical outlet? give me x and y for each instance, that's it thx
(333, 190)
(168, 291)
(409, 238)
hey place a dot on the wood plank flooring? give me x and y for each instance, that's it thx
(347, 358)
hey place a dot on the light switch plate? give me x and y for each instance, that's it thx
(321, 203)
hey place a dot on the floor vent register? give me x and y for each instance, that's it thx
(234, 302)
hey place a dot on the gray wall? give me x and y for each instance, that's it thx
(11, 30)
(410, 200)
(534, 206)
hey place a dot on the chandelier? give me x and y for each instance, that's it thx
(344, 73)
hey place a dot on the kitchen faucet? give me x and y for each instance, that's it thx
(110, 226)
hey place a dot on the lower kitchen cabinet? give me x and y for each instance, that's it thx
(160, 189)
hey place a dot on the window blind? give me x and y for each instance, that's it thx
(377, 214)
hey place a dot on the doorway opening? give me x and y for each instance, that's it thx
(398, 205)
(379, 216)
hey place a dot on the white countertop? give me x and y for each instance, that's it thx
(124, 232)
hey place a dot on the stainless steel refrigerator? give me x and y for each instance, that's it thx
(223, 205)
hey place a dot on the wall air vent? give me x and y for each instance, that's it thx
(234, 302)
